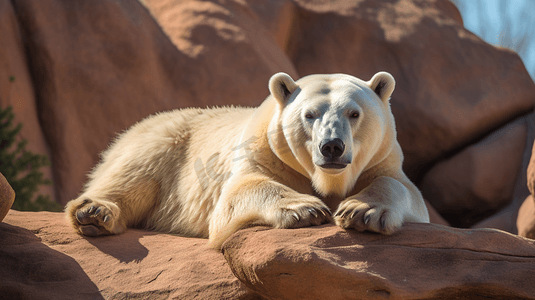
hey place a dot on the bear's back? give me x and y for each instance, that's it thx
(201, 148)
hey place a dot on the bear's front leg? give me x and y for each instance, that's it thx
(94, 217)
(382, 207)
(259, 200)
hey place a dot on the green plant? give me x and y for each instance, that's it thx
(21, 168)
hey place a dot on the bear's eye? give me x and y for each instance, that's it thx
(309, 116)
(354, 115)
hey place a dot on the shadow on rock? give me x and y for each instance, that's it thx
(125, 247)
(32, 270)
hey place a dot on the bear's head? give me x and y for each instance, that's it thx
(332, 128)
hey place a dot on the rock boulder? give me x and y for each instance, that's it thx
(526, 215)
(43, 258)
(422, 261)
(479, 180)
(7, 196)
(17, 89)
(525, 222)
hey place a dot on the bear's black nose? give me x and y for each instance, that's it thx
(332, 148)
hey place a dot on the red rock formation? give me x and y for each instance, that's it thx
(479, 180)
(235, 53)
(434, 216)
(96, 68)
(525, 222)
(7, 196)
(17, 89)
(42, 258)
(422, 261)
(531, 172)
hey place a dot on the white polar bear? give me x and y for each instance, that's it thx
(324, 143)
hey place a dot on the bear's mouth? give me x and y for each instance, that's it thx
(333, 165)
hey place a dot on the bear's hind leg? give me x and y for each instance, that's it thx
(94, 217)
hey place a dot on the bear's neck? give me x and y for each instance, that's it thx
(338, 185)
(277, 142)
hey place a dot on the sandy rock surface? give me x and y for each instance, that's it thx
(43, 258)
(422, 261)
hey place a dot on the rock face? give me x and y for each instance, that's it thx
(479, 180)
(231, 48)
(526, 218)
(17, 89)
(526, 215)
(506, 217)
(422, 261)
(531, 172)
(434, 216)
(7, 196)
(42, 258)
(95, 69)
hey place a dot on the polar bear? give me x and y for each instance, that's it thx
(321, 144)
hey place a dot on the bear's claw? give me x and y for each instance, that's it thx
(364, 217)
(304, 216)
(83, 217)
(93, 215)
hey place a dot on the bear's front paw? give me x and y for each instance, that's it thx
(93, 218)
(368, 216)
(305, 213)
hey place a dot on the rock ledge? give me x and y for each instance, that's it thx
(422, 261)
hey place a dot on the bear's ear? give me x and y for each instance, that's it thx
(281, 86)
(383, 85)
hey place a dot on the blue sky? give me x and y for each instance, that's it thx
(507, 23)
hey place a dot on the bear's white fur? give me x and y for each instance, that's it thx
(324, 143)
